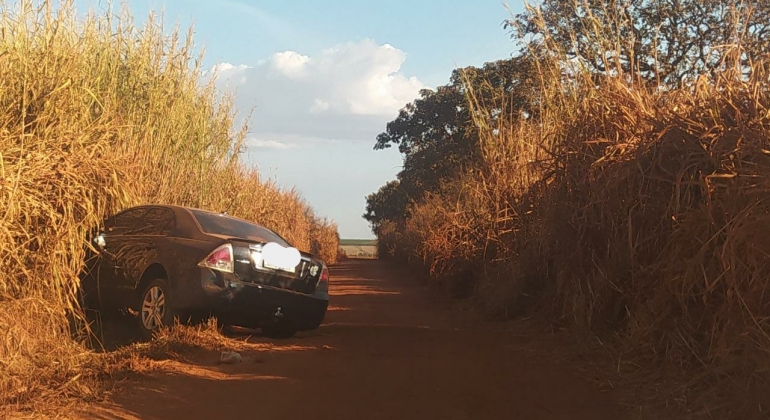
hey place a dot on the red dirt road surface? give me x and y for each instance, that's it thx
(389, 349)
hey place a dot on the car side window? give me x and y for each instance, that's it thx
(159, 221)
(143, 221)
(126, 223)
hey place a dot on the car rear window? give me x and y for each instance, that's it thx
(224, 225)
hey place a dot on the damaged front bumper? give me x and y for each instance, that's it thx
(254, 305)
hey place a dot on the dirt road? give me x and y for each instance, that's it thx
(389, 349)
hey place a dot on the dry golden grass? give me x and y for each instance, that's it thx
(171, 341)
(628, 213)
(97, 115)
(39, 363)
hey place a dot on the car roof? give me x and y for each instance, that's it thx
(188, 211)
(191, 209)
(190, 226)
(176, 207)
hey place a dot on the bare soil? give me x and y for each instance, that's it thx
(390, 348)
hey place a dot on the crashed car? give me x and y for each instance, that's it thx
(169, 262)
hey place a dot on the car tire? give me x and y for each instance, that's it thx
(155, 307)
(278, 331)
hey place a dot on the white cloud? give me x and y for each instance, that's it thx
(270, 144)
(291, 64)
(348, 92)
(228, 75)
(319, 106)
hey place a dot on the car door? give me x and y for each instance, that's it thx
(149, 244)
(141, 245)
(119, 254)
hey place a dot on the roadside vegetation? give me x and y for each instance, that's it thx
(96, 115)
(612, 178)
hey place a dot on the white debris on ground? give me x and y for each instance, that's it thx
(230, 357)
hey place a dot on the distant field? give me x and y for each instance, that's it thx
(359, 248)
(359, 242)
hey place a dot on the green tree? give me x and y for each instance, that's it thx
(436, 134)
(388, 203)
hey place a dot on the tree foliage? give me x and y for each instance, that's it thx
(662, 41)
(658, 42)
(388, 203)
(436, 134)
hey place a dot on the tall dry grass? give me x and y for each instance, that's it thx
(97, 115)
(630, 213)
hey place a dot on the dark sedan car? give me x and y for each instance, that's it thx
(167, 262)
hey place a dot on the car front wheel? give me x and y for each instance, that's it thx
(155, 309)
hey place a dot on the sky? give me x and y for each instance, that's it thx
(321, 78)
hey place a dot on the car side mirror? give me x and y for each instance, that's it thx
(100, 242)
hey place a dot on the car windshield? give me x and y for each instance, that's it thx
(224, 225)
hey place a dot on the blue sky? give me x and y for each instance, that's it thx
(324, 77)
